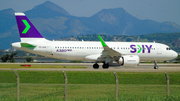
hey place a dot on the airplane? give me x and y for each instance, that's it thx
(109, 53)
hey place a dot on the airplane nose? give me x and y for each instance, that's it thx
(175, 55)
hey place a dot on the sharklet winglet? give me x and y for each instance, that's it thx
(102, 41)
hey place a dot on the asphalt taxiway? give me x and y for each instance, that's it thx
(141, 68)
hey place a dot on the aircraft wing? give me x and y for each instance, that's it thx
(108, 52)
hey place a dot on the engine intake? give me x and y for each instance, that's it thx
(129, 60)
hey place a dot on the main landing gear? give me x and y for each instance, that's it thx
(104, 66)
(95, 66)
(155, 65)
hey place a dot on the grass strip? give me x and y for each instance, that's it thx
(89, 85)
(89, 77)
(42, 77)
(98, 92)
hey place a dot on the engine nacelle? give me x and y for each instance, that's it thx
(129, 60)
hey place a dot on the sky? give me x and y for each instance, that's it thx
(158, 10)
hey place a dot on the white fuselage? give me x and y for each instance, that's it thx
(109, 53)
(81, 50)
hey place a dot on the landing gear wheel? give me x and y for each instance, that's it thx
(155, 65)
(105, 66)
(95, 66)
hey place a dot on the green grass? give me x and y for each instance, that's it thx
(89, 77)
(93, 77)
(37, 66)
(41, 77)
(7, 77)
(91, 92)
(141, 78)
(93, 85)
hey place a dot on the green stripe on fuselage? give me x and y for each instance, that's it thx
(27, 45)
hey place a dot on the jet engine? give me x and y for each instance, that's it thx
(129, 60)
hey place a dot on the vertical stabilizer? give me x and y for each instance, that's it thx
(27, 31)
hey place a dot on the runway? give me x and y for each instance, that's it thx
(141, 68)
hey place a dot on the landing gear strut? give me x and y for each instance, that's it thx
(95, 66)
(155, 65)
(105, 66)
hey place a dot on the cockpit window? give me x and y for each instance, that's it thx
(168, 48)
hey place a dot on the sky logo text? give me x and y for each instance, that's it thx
(139, 48)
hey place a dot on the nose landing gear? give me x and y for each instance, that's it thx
(155, 65)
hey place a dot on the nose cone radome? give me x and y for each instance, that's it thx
(174, 55)
(16, 45)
